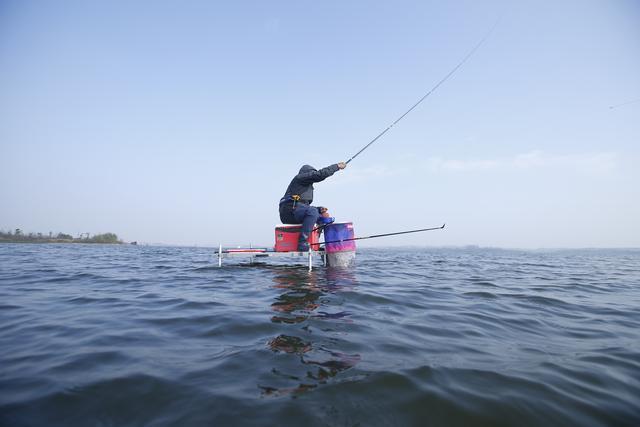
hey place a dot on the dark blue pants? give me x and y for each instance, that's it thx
(302, 214)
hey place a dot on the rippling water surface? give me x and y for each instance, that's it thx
(128, 336)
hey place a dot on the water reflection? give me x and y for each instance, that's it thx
(308, 306)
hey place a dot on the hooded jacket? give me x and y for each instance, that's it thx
(302, 183)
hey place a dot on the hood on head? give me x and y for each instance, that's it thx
(307, 168)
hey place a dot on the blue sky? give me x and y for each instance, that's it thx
(183, 122)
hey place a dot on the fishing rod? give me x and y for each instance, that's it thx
(380, 235)
(444, 79)
(624, 103)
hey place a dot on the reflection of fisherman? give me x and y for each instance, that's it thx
(303, 297)
(295, 206)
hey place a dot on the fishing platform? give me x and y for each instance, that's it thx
(339, 244)
(253, 253)
(337, 250)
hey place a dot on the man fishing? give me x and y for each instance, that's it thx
(295, 206)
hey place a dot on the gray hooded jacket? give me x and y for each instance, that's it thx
(302, 183)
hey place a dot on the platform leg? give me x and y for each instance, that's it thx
(220, 256)
(310, 260)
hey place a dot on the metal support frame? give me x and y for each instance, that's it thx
(231, 253)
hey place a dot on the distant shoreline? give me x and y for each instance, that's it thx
(54, 241)
(20, 237)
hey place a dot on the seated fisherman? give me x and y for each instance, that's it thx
(295, 206)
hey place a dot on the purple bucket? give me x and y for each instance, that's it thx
(339, 231)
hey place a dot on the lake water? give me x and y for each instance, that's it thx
(160, 336)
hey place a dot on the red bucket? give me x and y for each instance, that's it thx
(287, 238)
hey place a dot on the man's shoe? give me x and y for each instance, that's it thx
(303, 244)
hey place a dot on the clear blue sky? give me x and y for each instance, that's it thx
(183, 122)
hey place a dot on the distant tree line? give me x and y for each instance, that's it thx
(18, 236)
